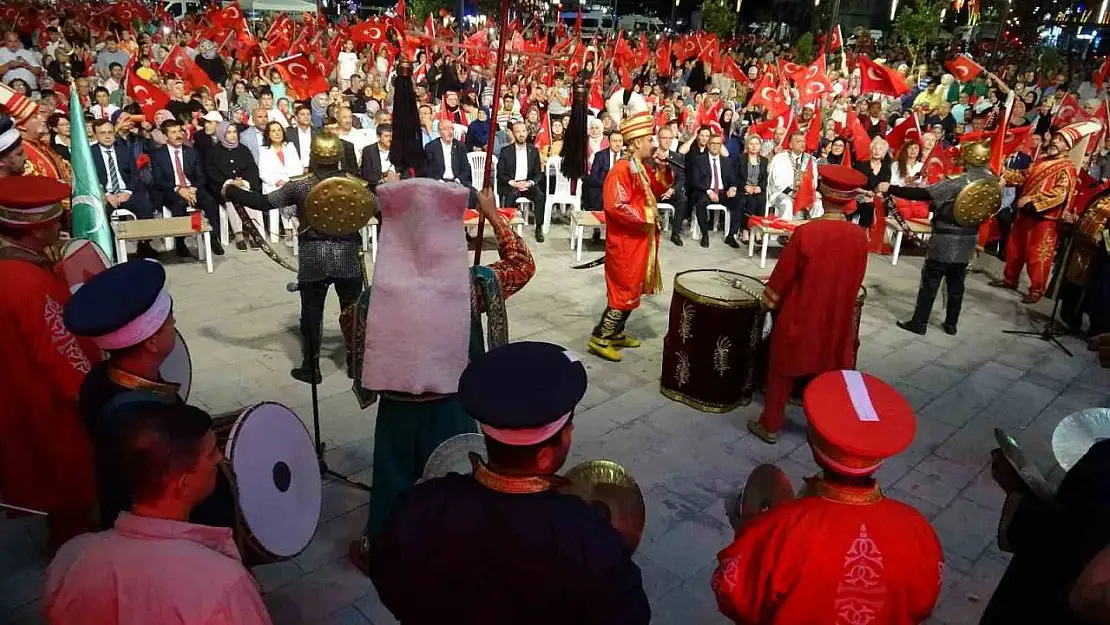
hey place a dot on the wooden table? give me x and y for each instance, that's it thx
(145, 229)
(892, 226)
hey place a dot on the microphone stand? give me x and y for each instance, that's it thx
(1049, 333)
(318, 444)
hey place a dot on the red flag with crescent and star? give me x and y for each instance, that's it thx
(875, 78)
(150, 98)
(179, 64)
(836, 39)
(963, 68)
(766, 95)
(230, 16)
(301, 75)
(812, 81)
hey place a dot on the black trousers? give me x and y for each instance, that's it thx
(931, 274)
(138, 203)
(701, 212)
(313, 295)
(743, 208)
(509, 196)
(681, 210)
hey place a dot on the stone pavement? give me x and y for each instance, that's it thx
(240, 324)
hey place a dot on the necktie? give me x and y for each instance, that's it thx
(178, 169)
(716, 176)
(113, 174)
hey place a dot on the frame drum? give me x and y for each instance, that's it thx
(710, 347)
(178, 368)
(276, 478)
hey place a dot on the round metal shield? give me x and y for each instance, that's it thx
(178, 368)
(767, 486)
(607, 487)
(81, 260)
(977, 202)
(1077, 432)
(339, 205)
(1029, 473)
(277, 478)
(453, 456)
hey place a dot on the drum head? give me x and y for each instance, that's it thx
(453, 456)
(81, 260)
(277, 478)
(178, 368)
(1077, 433)
(717, 287)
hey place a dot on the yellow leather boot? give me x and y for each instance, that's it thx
(604, 348)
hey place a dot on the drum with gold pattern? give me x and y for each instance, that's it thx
(709, 350)
(763, 351)
(1088, 232)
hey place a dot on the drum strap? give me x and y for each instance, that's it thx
(109, 420)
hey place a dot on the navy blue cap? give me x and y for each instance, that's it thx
(115, 297)
(520, 389)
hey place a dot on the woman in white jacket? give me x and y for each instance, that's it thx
(277, 163)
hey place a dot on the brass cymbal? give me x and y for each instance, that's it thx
(767, 486)
(453, 456)
(1077, 432)
(608, 487)
(1028, 472)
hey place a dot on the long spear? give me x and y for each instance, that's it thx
(487, 175)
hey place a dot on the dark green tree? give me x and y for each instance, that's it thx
(718, 17)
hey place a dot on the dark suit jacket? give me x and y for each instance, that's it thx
(506, 167)
(701, 177)
(291, 137)
(742, 174)
(596, 180)
(350, 159)
(679, 173)
(162, 169)
(434, 165)
(371, 165)
(125, 163)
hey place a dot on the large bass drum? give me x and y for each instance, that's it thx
(1087, 237)
(714, 329)
(275, 476)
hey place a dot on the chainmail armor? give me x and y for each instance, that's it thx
(951, 242)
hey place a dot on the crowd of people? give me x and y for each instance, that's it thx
(822, 154)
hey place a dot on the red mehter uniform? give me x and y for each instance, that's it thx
(842, 554)
(814, 286)
(1032, 243)
(45, 451)
(631, 239)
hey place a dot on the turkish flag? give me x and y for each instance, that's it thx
(663, 60)
(836, 40)
(369, 32)
(1067, 112)
(766, 95)
(303, 78)
(708, 48)
(875, 78)
(230, 16)
(179, 64)
(963, 68)
(283, 26)
(788, 68)
(812, 81)
(903, 131)
(813, 133)
(732, 70)
(685, 48)
(150, 98)
(857, 135)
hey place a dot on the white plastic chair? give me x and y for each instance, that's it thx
(477, 169)
(167, 242)
(668, 210)
(122, 214)
(695, 231)
(561, 195)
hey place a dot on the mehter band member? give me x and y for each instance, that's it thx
(814, 288)
(632, 224)
(952, 244)
(444, 557)
(46, 458)
(843, 552)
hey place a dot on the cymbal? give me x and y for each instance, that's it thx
(766, 486)
(608, 487)
(1077, 432)
(1028, 472)
(453, 456)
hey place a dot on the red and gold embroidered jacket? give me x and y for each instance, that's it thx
(1048, 184)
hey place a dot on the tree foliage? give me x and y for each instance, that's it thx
(805, 48)
(918, 24)
(419, 10)
(718, 17)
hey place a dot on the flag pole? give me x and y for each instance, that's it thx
(487, 175)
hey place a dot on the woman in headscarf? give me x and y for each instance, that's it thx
(228, 160)
(208, 59)
(156, 133)
(477, 133)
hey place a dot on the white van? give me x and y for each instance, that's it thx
(640, 24)
(179, 8)
(593, 23)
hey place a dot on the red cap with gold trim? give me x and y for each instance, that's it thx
(31, 201)
(856, 421)
(839, 184)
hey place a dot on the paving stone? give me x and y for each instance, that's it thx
(966, 528)
(927, 488)
(690, 545)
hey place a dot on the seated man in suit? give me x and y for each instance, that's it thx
(119, 177)
(713, 179)
(253, 137)
(676, 195)
(519, 175)
(300, 133)
(603, 162)
(376, 166)
(446, 158)
(179, 182)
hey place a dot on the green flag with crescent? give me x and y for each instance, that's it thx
(87, 204)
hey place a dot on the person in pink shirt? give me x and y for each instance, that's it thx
(154, 566)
